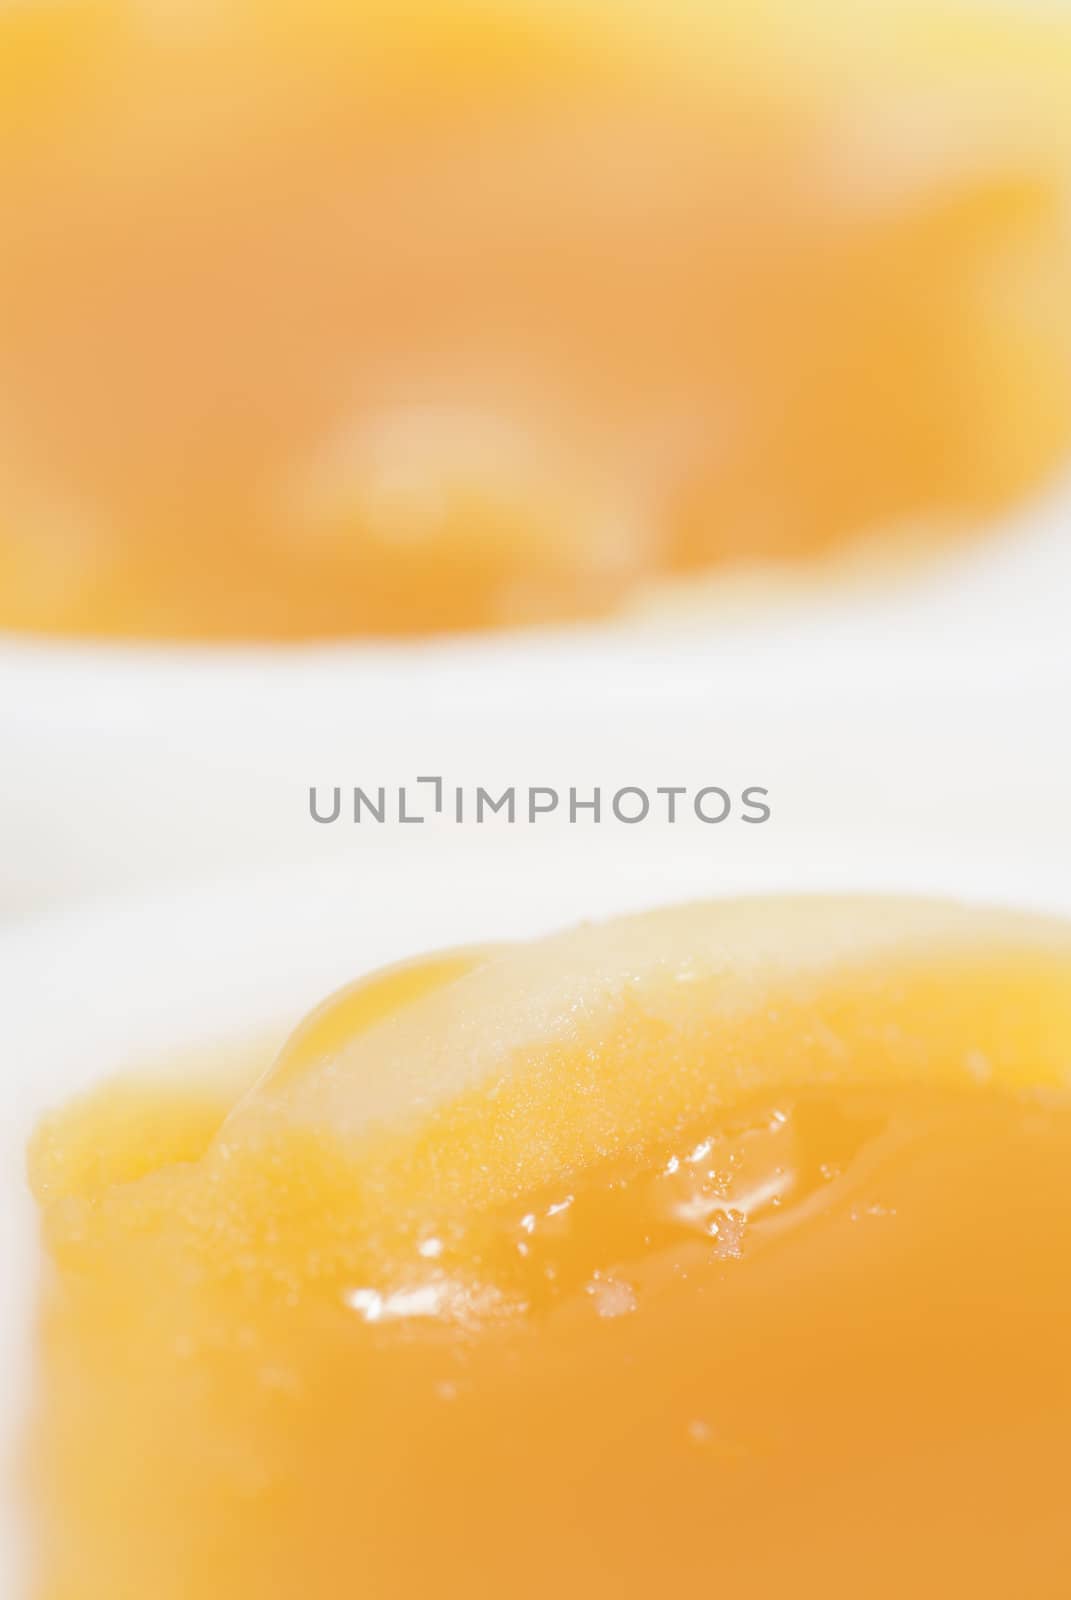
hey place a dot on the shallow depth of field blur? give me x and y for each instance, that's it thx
(572, 395)
(326, 320)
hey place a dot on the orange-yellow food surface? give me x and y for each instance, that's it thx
(718, 1251)
(323, 319)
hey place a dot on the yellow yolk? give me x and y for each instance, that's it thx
(360, 1006)
(713, 1250)
(325, 319)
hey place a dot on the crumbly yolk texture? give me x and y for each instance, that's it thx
(323, 319)
(716, 1250)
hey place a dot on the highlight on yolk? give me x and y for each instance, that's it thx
(714, 1250)
(410, 316)
(361, 1005)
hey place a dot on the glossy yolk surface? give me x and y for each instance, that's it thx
(322, 319)
(719, 1250)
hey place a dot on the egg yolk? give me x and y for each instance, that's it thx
(718, 1249)
(421, 315)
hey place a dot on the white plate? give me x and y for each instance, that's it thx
(132, 767)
